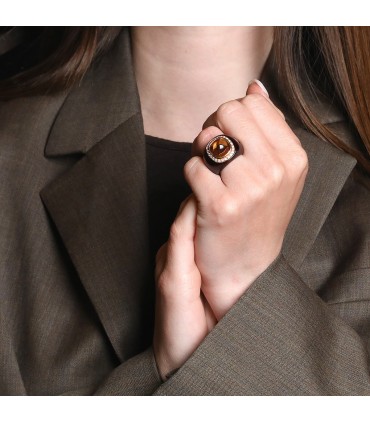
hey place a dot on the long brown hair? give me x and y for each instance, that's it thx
(332, 60)
(336, 62)
(67, 53)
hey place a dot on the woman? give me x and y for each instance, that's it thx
(262, 283)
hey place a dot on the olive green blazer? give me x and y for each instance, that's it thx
(76, 284)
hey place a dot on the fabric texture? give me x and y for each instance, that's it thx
(76, 312)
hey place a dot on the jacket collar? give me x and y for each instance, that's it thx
(106, 97)
(99, 205)
(329, 167)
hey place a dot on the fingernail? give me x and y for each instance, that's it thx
(259, 83)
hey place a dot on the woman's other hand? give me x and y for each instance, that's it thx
(183, 318)
(243, 214)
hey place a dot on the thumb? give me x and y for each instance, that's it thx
(180, 253)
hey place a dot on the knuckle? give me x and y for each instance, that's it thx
(164, 285)
(296, 139)
(255, 101)
(227, 109)
(222, 211)
(256, 193)
(171, 285)
(175, 231)
(299, 161)
(227, 211)
(276, 174)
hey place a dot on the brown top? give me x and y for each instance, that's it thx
(167, 187)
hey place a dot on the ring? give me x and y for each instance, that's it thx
(220, 151)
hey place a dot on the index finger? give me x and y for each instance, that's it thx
(256, 87)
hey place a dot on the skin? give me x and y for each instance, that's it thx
(232, 227)
(186, 81)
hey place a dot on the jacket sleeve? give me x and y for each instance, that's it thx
(136, 376)
(280, 338)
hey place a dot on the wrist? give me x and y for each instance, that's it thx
(164, 374)
(223, 292)
(161, 368)
(221, 298)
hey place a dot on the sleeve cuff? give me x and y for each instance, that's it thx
(137, 376)
(280, 338)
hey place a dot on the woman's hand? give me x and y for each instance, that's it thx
(183, 318)
(242, 215)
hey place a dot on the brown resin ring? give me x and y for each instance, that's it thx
(220, 151)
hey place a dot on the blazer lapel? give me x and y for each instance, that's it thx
(99, 208)
(106, 97)
(329, 169)
(99, 205)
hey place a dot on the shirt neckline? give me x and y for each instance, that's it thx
(168, 144)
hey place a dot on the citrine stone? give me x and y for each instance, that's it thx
(220, 148)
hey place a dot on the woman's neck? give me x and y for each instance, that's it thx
(185, 73)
